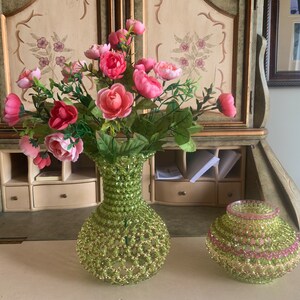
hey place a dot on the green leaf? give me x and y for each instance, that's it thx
(183, 118)
(133, 145)
(94, 109)
(130, 119)
(67, 101)
(172, 106)
(107, 146)
(190, 146)
(195, 129)
(181, 135)
(145, 104)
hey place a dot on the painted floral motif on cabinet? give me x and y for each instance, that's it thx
(199, 37)
(46, 37)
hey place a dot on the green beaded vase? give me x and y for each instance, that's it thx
(252, 243)
(124, 241)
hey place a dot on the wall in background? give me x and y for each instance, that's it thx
(284, 128)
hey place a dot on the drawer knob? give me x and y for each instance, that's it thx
(14, 198)
(229, 194)
(182, 193)
(63, 196)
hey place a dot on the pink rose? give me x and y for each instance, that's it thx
(115, 102)
(136, 26)
(25, 79)
(63, 149)
(74, 68)
(62, 115)
(116, 39)
(225, 104)
(42, 160)
(13, 109)
(113, 64)
(29, 146)
(166, 71)
(95, 51)
(145, 64)
(147, 86)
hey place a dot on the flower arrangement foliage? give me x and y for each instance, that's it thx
(138, 106)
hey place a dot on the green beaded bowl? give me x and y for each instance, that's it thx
(252, 243)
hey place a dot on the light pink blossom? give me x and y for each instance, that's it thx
(147, 86)
(42, 160)
(25, 79)
(145, 64)
(113, 64)
(116, 39)
(95, 51)
(115, 102)
(167, 71)
(13, 109)
(29, 146)
(63, 149)
(136, 26)
(75, 68)
(225, 104)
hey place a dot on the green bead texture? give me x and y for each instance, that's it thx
(124, 241)
(252, 243)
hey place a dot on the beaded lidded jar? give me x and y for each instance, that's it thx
(253, 243)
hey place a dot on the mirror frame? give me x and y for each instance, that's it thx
(271, 26)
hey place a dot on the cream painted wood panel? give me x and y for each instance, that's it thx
(64, 195)
(47, 34)
(16, 198)
(186, 193)
(229, 192)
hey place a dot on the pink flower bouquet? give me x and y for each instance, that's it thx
(141, 102)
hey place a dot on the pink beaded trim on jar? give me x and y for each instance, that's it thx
(255, 215)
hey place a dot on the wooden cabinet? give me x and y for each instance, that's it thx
(70, 185)
(221, 184)
(62, 185)
(17, 198)
(64, 195)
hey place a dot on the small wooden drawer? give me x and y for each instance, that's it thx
(17, 198)
(229, 192)
(64, 195)
(185, 193)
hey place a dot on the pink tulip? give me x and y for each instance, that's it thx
(95, 51)
(42, 160)
(13, 109)
(136, 26)
(147, 86)
(225, 104)
(166, 71)
(113, 64)
(63, 149)
(62, 115)
(25, 79)
(115, 102)
(116, 39)
(145, 64)
(29, 146)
